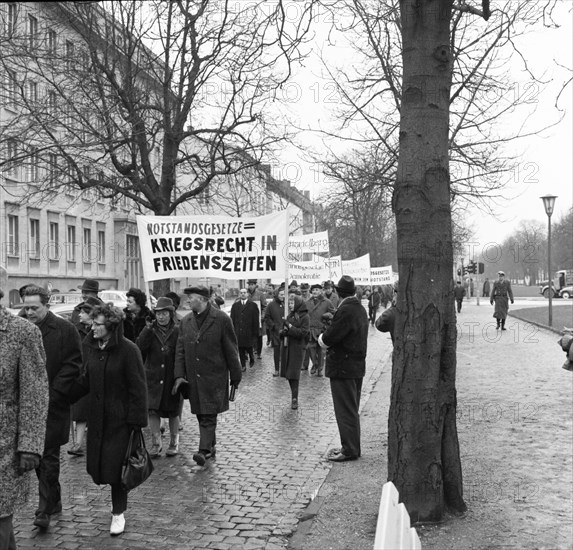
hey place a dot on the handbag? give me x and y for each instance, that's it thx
(137, 465)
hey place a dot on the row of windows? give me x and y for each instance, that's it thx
(90, 251)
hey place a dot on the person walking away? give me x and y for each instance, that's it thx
(81, 408)
(486, 288)
(293, 337)
(246, 322)
(114, 378)
(63, 349)
(258, 297)
(500, 294)
(24, 411)
(317, 306)
(373, 305)
(137, 314)
(157, 345)
(346, 340)
(206, 356)
(274, 317)
(459, 293)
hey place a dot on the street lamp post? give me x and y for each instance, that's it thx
(549, 203)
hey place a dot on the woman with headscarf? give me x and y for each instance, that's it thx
(294, 336)
(157, 345)
(114, 377)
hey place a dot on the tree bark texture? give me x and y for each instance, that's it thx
(423, 450)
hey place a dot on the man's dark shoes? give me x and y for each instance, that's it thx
(200, 458)
(340, 457)
(42, 520)
(211, 453)
(243, 368)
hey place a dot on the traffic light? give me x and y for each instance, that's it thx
(472, 267)
(459, 272)
(481, 268)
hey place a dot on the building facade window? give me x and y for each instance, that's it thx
(69, 55)
(33, 165)
(52, 167)
(12, 152)
(52, 41)
(32, 91)
(101, 246)
(34, 240)
(11, 89)
(12, 19)
(54, 244)
(13, 235)
(32, 32)
(72, 243)
(52, 103)
(87, 248)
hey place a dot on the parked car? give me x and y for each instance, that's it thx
(65, 298)
(566, 292)
(119, 298)
(63, 310)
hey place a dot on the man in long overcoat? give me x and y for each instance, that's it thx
(246, 320)
(206, 356)
(24, 402)
(317, 305)
(346, 339)
(258, 298)
(501, 293)
(63, 363)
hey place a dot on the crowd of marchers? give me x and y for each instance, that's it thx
(109, 372)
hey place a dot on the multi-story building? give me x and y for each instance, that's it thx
(59, 237)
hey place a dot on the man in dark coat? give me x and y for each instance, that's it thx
(459, 293)
(500, 293)
(486, 288)
(63, 362)
(346, 339)
(245, 316)
(373, 305)
(256, 296)
(206, 355)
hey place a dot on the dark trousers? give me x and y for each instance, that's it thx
(259, 344)
(243, 353)
(48, 473)
(459, 303)
(315, 354)
(346, 401)
(118, 499)
(7, 540)
(207, 428)
(372, 313)
(277, 356)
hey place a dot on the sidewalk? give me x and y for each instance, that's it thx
(515, 412)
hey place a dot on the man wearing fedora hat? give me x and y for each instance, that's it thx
(346, 341)
(206, 356)
(90, 289)
(500, 293)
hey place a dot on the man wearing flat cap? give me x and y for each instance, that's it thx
(317, 306)
(346, 342)
(500, 294)
(206, 357)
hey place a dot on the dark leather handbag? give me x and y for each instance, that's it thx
(137, 466)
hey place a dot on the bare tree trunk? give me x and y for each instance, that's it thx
(423, 450)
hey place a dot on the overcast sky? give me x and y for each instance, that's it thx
(546, 160)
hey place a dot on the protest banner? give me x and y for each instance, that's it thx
(358, 269)
(313, 242)
(381, 275)
(308, 272)
(213, 246)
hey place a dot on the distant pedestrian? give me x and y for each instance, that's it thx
(157, 344)
(245, 316)
(90, 289)
(346, 339)
(459, 293)
(137, 314)
(293, 337)
(329, 292)
(486, 288)
(500, 294)
(63, 364)
(80, 409)
(274, 317)
(373, 305)
(471, 288)
(258, 297)
(114, 378)
(317, 306)
(24, 408)
(206, 357)
(305, 291)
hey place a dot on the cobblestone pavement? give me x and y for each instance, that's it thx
(269, 465)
